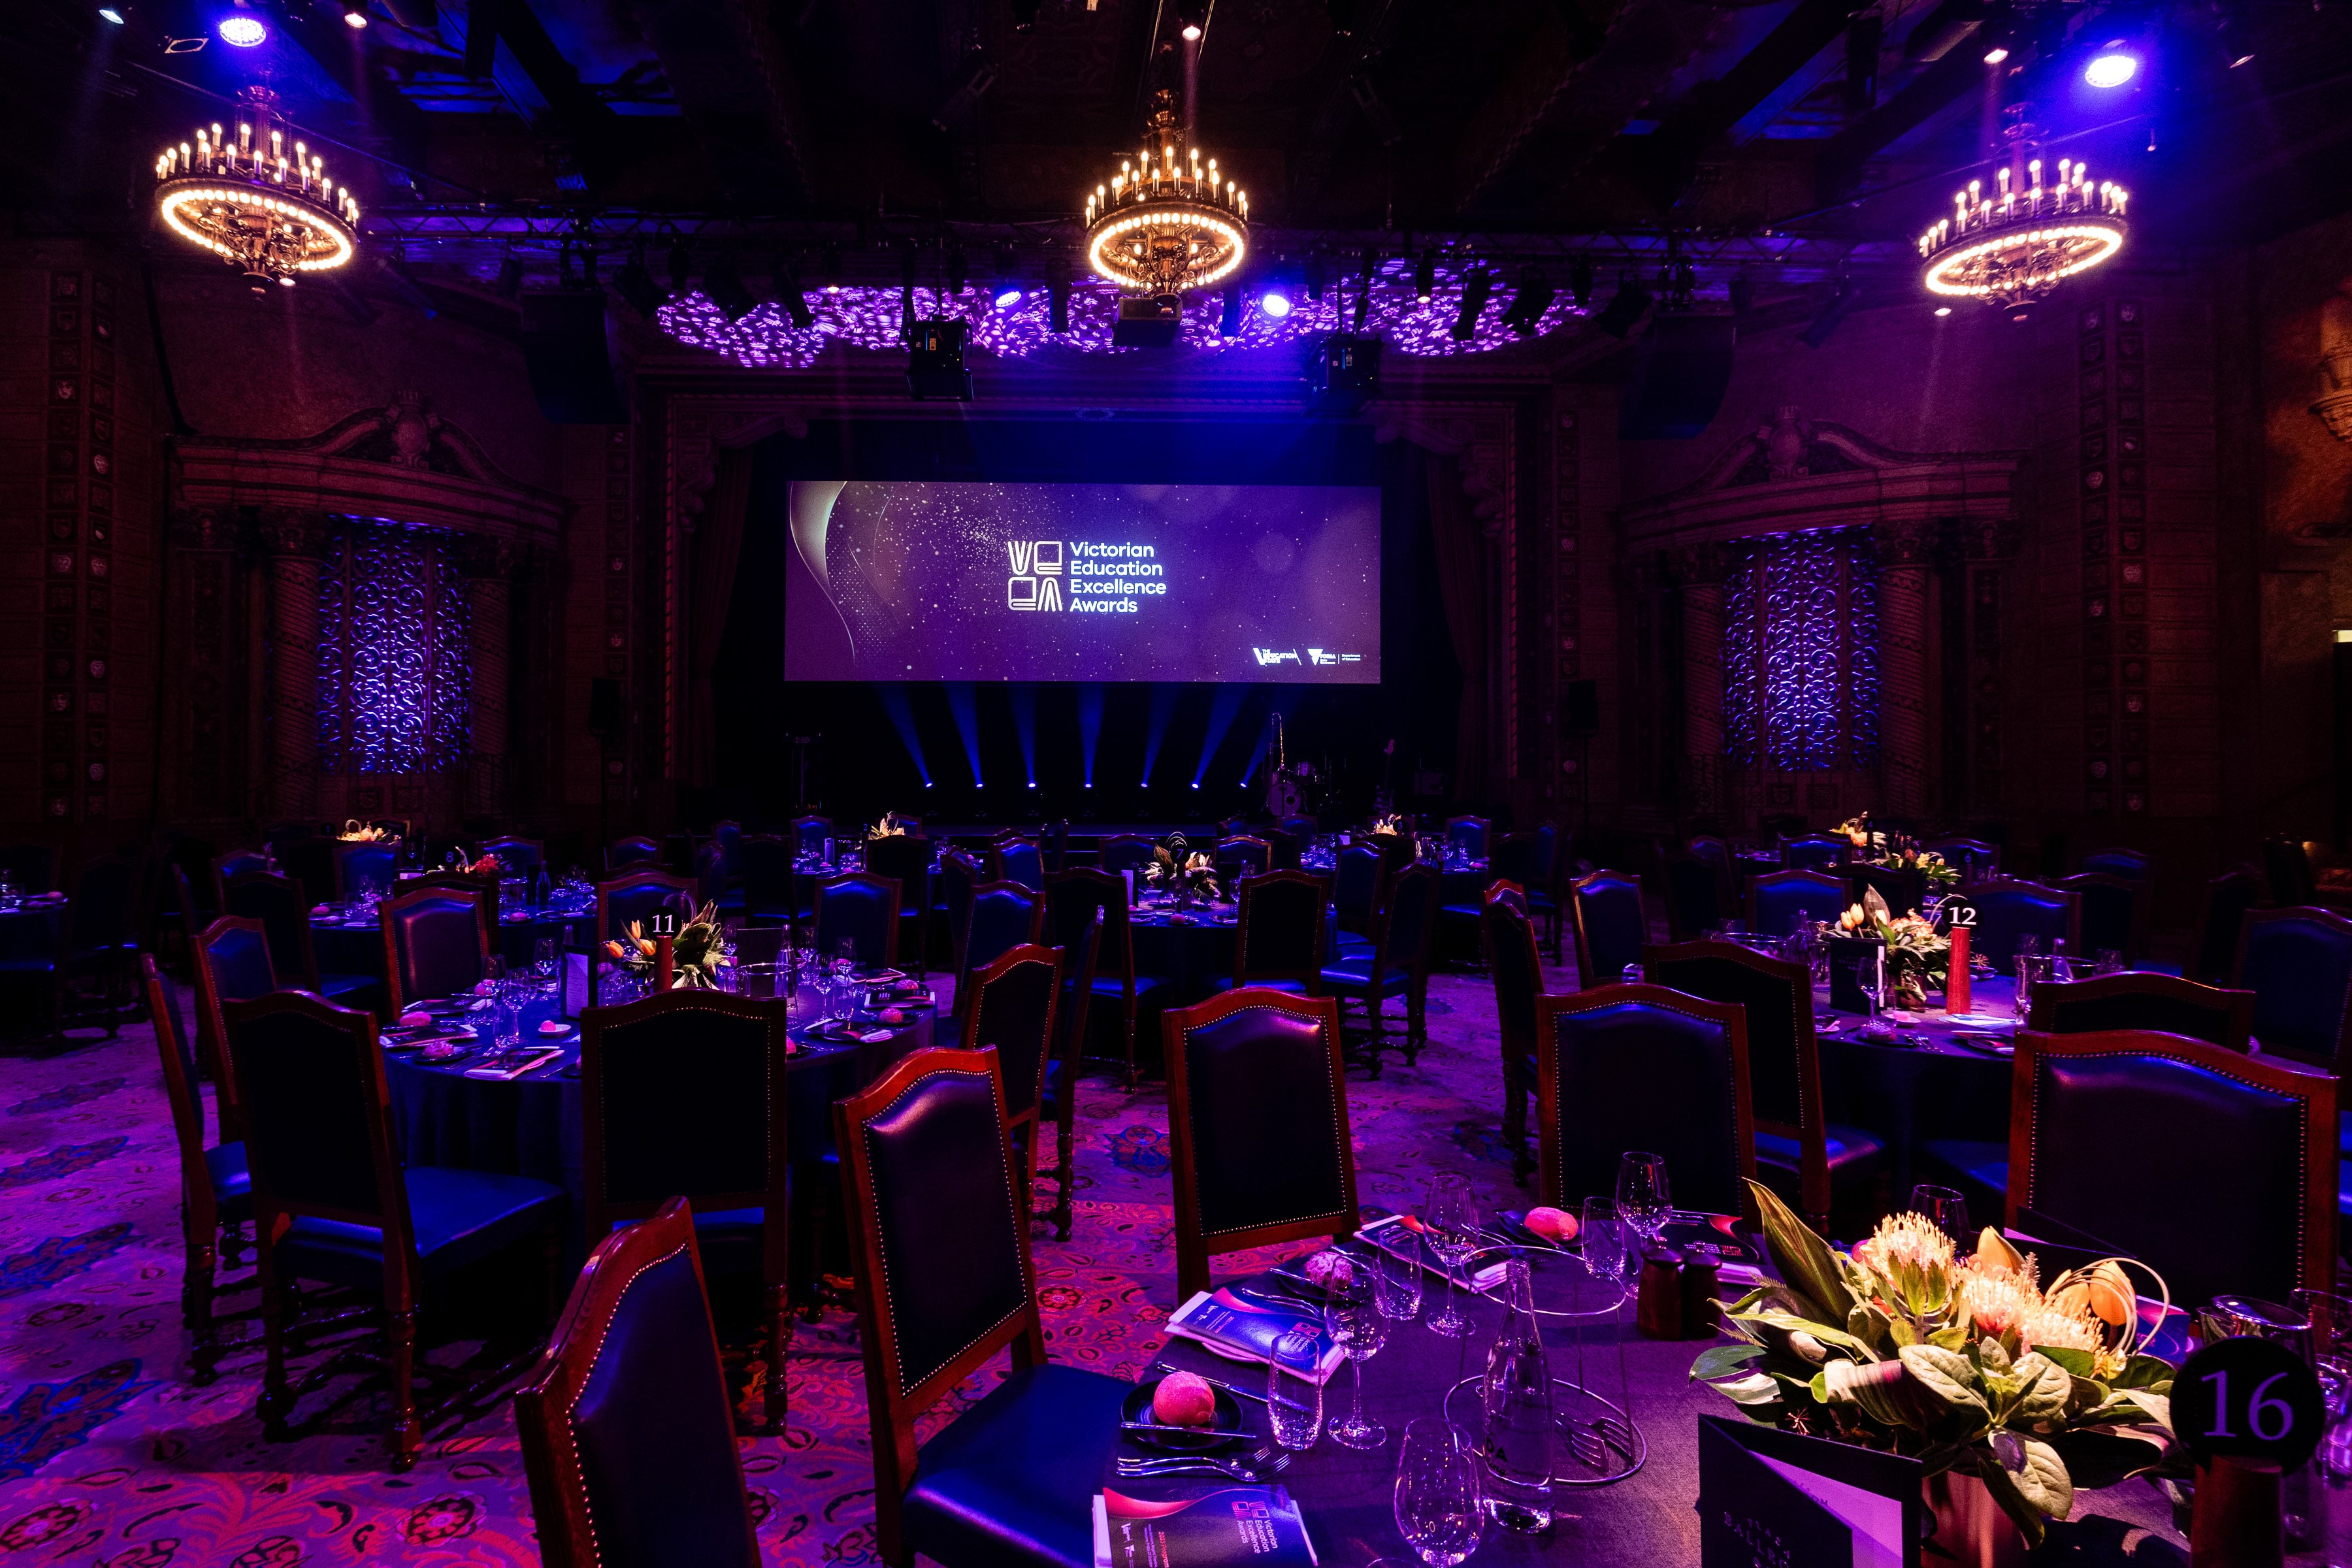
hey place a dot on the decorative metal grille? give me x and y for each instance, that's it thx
(393, 645)
(1801, 688)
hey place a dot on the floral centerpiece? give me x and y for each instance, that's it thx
(1897, 852)
(890, 827)
(1968, 1364)
(1189, 879)
(357, 832)
(698, 953)
(1917, 955)
(488, 865)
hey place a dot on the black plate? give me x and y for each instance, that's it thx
(1992, 1045)
(1176, 1441)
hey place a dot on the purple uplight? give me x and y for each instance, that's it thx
(866, 318)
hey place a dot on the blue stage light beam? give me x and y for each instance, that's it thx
(1090, 712)
(1265, 745)
(895, 703)
(1222, 712)
(966, 723)
(1163, 711)
(1025, 722)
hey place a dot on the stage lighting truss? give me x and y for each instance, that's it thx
(253, 202)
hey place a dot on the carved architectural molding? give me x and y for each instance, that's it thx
(399, 461)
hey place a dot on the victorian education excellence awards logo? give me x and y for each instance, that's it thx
(1102, 579)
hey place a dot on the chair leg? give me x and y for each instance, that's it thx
(1130, 1045)
(276, 1402)
(772, 1400)
(407, 1436)
(196, 1311)
(550, 1269)
(232, 1246)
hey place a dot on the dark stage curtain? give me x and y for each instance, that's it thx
(1462, 553)
(718, 542)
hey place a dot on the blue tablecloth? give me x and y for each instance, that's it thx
(1924, 1083)
(347, 947)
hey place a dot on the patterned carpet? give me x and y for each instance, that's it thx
(109, 1457)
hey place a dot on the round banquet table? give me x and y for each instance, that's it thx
(1920, 1081)
(529, 1126)
(1190, 954)
(356, 947)
(1346, 1496)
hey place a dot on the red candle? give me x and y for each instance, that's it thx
(1955, 973)
(665, 962)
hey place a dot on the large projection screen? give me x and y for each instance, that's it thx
(907, 580)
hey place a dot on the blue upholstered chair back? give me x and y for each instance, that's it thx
(2131, 865)
(311, 862)
(1262, 1119)
(1012, 1014)
(1019, 861)
(237, 957)
(1125, 853)
(371, 865)
(1003, 916)
(809, 834)
(1467, 834)
(860, 908)
(1412, 915)
(306, 1073)
(2298, 964)
(1611, 928)
(1282, 923)
(1693, 897)
(1779, 899)
(1641, 1066)
(1356, 885)
(1776, 1001)
(516, 857)
(683, 1088)
(277, 902)
(2009, 910)
(1814, 852)
(435, 943)
(625, 852)
(637, 896)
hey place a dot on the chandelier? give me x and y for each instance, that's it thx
(1167, 222)
(2019, 241)
(253, 202)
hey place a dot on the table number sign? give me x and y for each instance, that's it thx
(2249, 1411)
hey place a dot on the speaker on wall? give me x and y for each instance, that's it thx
(1580, 709)
(1680, 372)
(570, 357)
(605, 716)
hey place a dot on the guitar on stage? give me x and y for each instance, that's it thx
(1283, 796)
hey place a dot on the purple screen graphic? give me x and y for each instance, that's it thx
(906, 580)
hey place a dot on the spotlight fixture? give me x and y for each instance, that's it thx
(1425, 277)
(935, 361)
(724, 287)
(185, 46)
(1475, 289)
(1624, 309)
(1191, 17)
(787, 281)
(2111, 67)
(829, 269)
(1526, 309)
(354, 15)
(681, 266)
(1274, 298)
(637, 286)
(1995, 55)
(1579, 282)
(1943, 310)
(241, 29)
(1008, 291)
(113, 13)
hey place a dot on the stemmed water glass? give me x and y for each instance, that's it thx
(1643, 1196)
(1352, 1316)
(1449, 1217)
(1439, 1510)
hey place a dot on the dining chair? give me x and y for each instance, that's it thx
(2131, 865)
(1059, 1099)
(1621, 1068)
(521, 857)
(1278, 939)
(1055, 844)
(1516, 962)
(284, 911)
(861, 908)
(1530, 860)
(1004, 915)
(2217, 1169)
(1244, 855)
(628, 1443)
(1398, 964)
(2009, 908)
(333, 1201)
(2136, 999)
(310, 860)
(1015, 858)
(194, 912)
(633, 898)
(1359, 878)
(2220, 915)
(1715, 851)
(1467, 834)
(940, 1241)
(435, 945)
(715, 1135)
(809, 834)
(2115, 912)
(1694, 896)
(1257, 1126)
(1814, 851)
(1012, 1013)
(1814, 1159)
(625, 853)
(1975, 857)
(236, 863)
(2287, 866)
(230, 960)
(374, 864)
(1072, 895)
(95, 937)
(215, 1191)
(959, 876)
(1125, 852)
(763, 867)
(1780, 902)
(1903, 889)
(728, 834)
(2298, 964)
(906, 859)
(1611, 924)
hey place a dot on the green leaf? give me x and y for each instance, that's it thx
(2044, 1481)
(2147, 1372)
(2079, 1363)
(1951, 1337)
(2047, 1387)
(1950, 1375)
(1803, 1259)
(1902, 1332)
(1723, 1360)
(1868, 1324)
(1837, 1338)
(1756, 1388)
(2013, 1502)
(1991, 1354)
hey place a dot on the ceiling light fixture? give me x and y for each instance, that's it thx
(112, 13)
(1995, 55)
(1167, 222)
(2018, 242)
(1274, 302)
(1475, 288)
(355, 15)
(248, 201)
(2111, 67)
(242, 29)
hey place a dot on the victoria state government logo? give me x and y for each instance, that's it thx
(1036, 580)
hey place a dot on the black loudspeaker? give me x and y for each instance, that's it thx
(1579, 708)
(605, 717)
(1680, 372)
(569, 358)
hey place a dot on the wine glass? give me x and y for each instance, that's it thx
(542, 960)
(1449, 1219)
(1948, 1206)
(1604, 1235)
(1642, 1195)
(1294, 1398)
(1352, 1316)
(1439, 1509)
(1399, 1276)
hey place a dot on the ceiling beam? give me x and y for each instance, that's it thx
(734, 78)
(1346, 98)
(573, 110)
(345, 60)
(1839, 170)
(1671, 152)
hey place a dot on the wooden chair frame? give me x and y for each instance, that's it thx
(1415, 967)
(1021, 1125)
(2331, 920)
(2203, 933)
(2237, 1007)
(1503, 915)
(307, 955)
(1246, 893)
(774, 1200)
(1118, 938)
(1193, 1247)
(1585, 977)
(201, 1231)
(385, 914)
(891, 1415)
(212, 1029)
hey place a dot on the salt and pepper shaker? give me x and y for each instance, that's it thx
(1658, 1304)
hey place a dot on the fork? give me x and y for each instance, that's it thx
(1261, 1465)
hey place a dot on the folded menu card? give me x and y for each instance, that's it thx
(1222, 1526)
(1768, 1498)
(1247, 1330)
